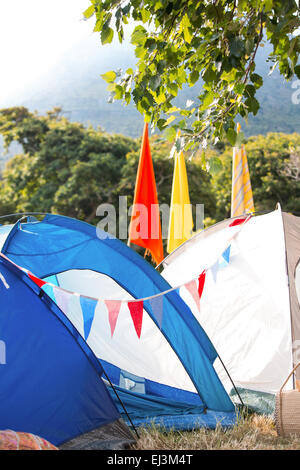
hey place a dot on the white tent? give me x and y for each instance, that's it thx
(250, 302)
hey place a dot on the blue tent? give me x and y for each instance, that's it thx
(167, 375)
(51, 382)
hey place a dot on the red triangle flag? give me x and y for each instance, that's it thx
(145, 228)
(192, 288)
(237, 222)
(35, 279)
(136, 312)
(201, 280)
(113, 307)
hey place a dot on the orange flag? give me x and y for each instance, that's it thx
(145, 228)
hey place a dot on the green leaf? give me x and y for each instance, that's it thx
(231, 136)
(139, 36)
(155, 82)
(193, 77)
(119, 92)
(253, 105)
(297, 70)
(169, 120)
(170, 134)
(186, 29)
(107, 35)
(89, 11)
(109, 77)
(207, 101)
(256, 79)
(236, 47)
(145, 15)
(140, 52)
(172, 88)
(213, 165)
(209, 75)
(249, 91)
(249, 45)
(111, 87)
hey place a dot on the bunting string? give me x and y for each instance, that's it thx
(135, 306)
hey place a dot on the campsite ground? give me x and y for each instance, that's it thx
(251, 433)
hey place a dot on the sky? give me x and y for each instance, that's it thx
(34, 35)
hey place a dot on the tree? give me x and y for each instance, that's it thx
(70, 170)
(65, 167)
(180, 42)
(292, 167)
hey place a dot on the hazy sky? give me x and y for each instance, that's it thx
(34, 34)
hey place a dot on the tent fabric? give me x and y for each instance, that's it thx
(292, 237)
(245, 310)
(50, 382)
(257, 402)
(170, 414)
(59, 245)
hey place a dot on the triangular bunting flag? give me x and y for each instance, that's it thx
(113, 307)
(75, 313)
(62, 298)
(136, 312)
(193, 290)
(226, 254)
(201, 280)
(214, 270)
(88, 311)
(48, 288)
(156, 304)
(35, 279)
(237, 222)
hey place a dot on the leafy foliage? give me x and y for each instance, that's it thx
(176, 43)
(65, 167)
(70, 169)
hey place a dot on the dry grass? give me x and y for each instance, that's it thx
(250, 433)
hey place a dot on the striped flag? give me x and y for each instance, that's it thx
(241, 198)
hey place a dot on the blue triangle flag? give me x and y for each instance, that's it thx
(157, 308)
(226, 254)
(214, 270)
(49, 291)
(88, 311)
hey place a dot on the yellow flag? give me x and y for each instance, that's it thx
(181, 219)
(241, 198)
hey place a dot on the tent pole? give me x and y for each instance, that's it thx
(232, 382)
(122, 404)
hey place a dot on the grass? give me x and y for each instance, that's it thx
(252, 432)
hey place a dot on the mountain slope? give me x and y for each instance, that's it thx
(75, 85)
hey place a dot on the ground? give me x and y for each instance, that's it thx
(250, 433)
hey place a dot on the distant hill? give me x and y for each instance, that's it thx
(75, 85)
